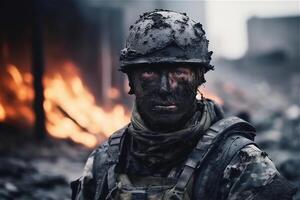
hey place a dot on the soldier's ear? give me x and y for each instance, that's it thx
(200, 79)
(130, 82)
(131, 91)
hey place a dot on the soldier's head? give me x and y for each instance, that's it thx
(165, 58)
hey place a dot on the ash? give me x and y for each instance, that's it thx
(33, 169)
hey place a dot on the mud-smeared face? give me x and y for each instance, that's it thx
(165, 96)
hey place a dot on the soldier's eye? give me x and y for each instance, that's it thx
(181, 73)
(178, 73)
(148, 74)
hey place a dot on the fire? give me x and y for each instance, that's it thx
(2, 113)
(16, 96)
(70, 108)
(113, 93)
(210, 95)
(15, 74)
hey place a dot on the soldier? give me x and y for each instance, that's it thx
(176, 147)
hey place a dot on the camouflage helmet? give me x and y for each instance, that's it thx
(168, 37)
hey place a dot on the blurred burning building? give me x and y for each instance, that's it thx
(81, 50)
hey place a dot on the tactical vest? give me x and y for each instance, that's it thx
(213, 152)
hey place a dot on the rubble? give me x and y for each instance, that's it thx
(38, 170)
(280, 138)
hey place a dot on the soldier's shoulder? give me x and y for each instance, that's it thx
(98, 152)
(252, 173)
(105, 145)
(101, 150)
(97, 160)
(252, 153)
(253, 164)
(117, 134)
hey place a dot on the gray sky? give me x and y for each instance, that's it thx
(226, 22)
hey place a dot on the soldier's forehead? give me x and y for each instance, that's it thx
(160, 67)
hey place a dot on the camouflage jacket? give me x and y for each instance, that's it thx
(249, 175)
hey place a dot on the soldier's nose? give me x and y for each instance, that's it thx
(164, 84)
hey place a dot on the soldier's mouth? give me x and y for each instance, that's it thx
(165, 107)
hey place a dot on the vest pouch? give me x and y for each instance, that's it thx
(173, 194)
(142, 193)
(138, 195)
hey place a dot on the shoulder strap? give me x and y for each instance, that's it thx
(114, 147)
(105, 162)
(204, 147)
(232, 145)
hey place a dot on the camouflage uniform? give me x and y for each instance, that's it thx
(250, 174)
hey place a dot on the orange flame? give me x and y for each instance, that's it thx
(113, 93)
(2, 113)
(210, 95)
(17, 96)
(71, 110)
(24, 91)
(16, 75)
